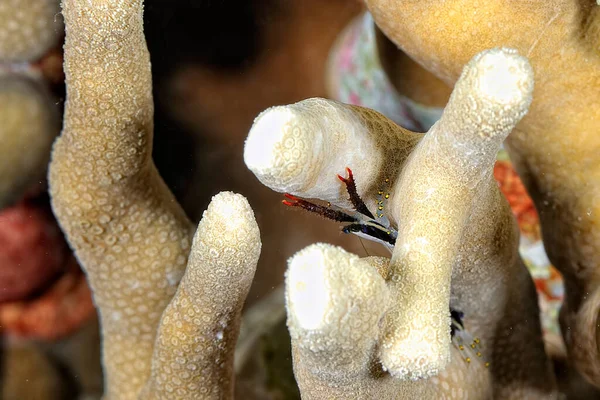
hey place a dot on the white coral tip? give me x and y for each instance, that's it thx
(232, 208)
(307, 291)
(264, 137)
(503, 76)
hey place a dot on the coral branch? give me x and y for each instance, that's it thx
(196, 339)
(323, 283)
(294, 149)
(127, 230)
(129, 233)
(335, 303)
(448, 175)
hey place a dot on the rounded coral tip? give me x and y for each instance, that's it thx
(308, 293)
(502, 76)
(325, 285)
(233, 209)
(278, 147)
(491, 96)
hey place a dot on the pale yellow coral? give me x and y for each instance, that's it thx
(129, 233)
(29, 124)
(555, 147)
(195, 344)
(452, 221)
(28, 28)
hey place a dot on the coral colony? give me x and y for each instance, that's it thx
(456, 244)
(452, 314)
(168, 329)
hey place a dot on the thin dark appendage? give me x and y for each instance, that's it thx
(323, 211)
(355, 199)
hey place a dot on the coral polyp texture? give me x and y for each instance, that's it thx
(28, 29)
(29, 125)
(196, 339)
(555, 147)
(129, 233)
(456, 246)
(336, 302)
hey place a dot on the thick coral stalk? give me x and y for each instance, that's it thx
(129, 233)
(454, 161)
(127, 230)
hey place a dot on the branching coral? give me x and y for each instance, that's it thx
(335, 302)
(555, 148)
(129, 233)
(457, 243)
(198, 332)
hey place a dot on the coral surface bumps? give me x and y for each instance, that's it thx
(555, 147)
(168, 330)
(453, 226)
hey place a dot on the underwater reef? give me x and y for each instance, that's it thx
(456, 244)
(452, 313)
(555, 147)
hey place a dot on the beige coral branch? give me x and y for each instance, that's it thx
(294, 149)
(453, 225)
(194, 351)
(126, 228)
(128, 232)
(457, 155)
(335, 303)
(326, 288)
